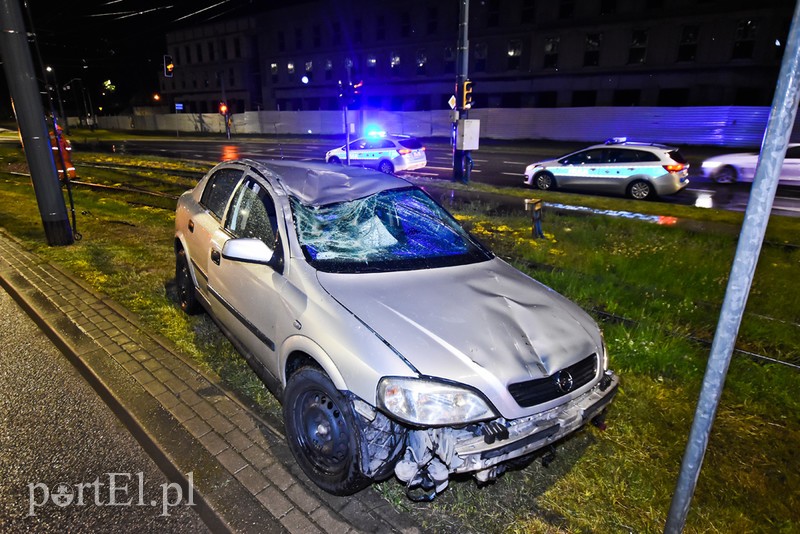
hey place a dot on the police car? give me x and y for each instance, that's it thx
(387, 153)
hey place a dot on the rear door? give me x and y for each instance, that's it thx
(207, 221)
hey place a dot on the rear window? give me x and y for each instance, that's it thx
(412, 143)
(677, 156)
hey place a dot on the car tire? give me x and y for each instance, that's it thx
(640, 190)
(545, 181)
(726, 175)
(322, 432)
(386, 167)
(334, 160)
(187, 298)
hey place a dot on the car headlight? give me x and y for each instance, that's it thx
(430, 403)
(604, 348)
(711, 164)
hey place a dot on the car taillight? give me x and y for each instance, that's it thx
(404, 151)
(675, 168)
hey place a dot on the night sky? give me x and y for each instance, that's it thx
(118, 40)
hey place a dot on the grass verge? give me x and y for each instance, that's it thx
(663, 283)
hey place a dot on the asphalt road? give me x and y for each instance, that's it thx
(60, 441)
(496, 164)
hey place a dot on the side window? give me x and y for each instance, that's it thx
(587, 157)
(252, 213)
(624, 156)
(218, 190)
(385, 143)
(793, 152)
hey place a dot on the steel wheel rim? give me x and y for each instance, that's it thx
(183, 283)
(323, 433)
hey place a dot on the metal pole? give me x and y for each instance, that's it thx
(64, 120)
(462, 68)
(25, 95)
(762, 196)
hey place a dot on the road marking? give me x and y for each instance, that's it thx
(439, 168)
(513, 173)
(711, 191)
(515, 162)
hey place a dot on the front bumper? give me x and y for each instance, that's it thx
(433, 454)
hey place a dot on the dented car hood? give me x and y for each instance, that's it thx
(479, 324)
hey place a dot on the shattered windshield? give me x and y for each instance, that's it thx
(393, 230)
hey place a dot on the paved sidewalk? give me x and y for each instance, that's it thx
(245, 479)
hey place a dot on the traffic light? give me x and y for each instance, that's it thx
(466, 95)
(169, 66)
(223, 108)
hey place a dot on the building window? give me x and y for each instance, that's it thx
(405, 24)
(422, 60)
(273, 70)
(336, 30)
(290, 67)
(372, 63)
(638, 50)
(281, 41)
(316, 35)
(745, 39)
(223, 49)
(566, 9)
(608, 7)
(433, 20)
(528, 14)
(584, 99)
(237, 48)
(199, 49)
(358, 32)
(677, 97)
(380, 28)
(309, 67)
(188, 52)
(481, 51)
(687, 49)
(449, 60)
(394, 63)
(211, 51)
(514, 54)
(493, 13)
(328, 69)
(551, 52)
(231, 78)
(626, 97)
(591, 51)
(298, 38)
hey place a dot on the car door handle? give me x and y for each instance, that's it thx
(191, 225)
(215, 256)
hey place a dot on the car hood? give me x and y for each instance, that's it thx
(478, 324)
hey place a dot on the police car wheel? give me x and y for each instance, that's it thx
(334, 160)
(386, 167)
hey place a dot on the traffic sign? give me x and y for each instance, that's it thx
(452, 102)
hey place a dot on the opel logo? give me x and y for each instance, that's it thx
(564, 381)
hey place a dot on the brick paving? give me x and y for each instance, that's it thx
(244, 476)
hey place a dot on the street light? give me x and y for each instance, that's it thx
(50, 70)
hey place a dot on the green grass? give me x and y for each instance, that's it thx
(664, 286)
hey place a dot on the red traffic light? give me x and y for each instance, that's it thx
(169, 66)
(223, 108)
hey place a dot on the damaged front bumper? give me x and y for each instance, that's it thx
(431, 455)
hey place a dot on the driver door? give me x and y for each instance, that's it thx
(243, 294)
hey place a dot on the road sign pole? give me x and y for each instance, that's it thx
(461, 76)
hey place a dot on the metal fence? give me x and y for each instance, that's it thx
(733, 126)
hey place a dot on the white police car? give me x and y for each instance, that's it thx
(387, 153)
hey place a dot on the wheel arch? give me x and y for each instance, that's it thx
(180, 244)
(301, 351)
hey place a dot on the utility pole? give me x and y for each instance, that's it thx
(460, 174)
(25, 95)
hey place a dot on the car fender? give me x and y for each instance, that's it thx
(305, 345)
(180, 243)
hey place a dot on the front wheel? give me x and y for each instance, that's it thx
(640, 190)
(334, 160)
(322, 432)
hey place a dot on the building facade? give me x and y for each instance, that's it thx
(522, 53)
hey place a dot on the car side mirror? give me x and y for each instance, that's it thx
(248, 250)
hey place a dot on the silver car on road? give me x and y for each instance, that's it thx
(396, 342)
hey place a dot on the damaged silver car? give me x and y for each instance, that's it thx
(396, 342)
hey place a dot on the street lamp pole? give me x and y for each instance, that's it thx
(64, 120)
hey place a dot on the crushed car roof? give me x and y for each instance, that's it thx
(319, 184)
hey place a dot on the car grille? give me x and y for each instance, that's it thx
(541, 390)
